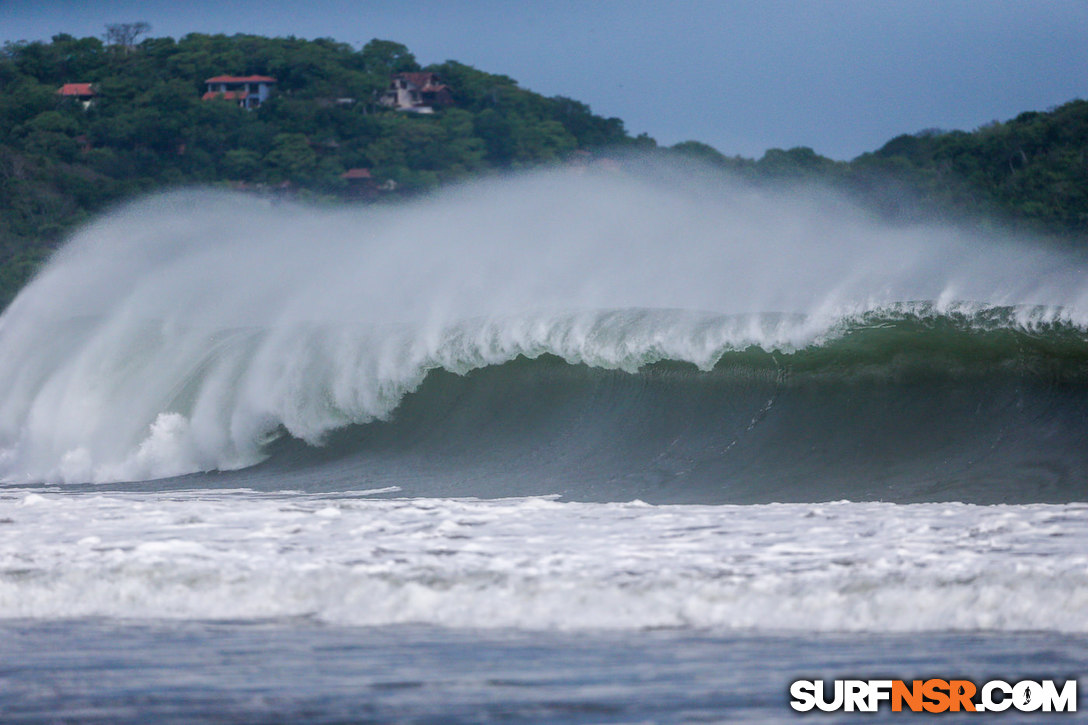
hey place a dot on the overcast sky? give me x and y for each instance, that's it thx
(841, 76)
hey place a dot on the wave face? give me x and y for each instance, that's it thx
(604, 337)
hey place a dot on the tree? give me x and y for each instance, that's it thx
(797, 162)
(291, 157)
(241, 164)
(386, 57)
(125, 34)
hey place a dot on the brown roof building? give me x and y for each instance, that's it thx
(416, 92)
(82, 92)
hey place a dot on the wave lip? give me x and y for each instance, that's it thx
(1007, 384)
(540, 564)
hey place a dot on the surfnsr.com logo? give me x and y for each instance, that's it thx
(934, 696)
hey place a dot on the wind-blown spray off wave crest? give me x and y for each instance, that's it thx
(186, 332)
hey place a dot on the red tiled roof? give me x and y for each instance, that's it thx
(241, 79)
(229, 95)
(76, 89)
(423, 81)
(356, 174)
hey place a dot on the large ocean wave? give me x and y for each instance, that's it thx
(599, 337)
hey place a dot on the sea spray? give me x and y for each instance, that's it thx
(183, 332)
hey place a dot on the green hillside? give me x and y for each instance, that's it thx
(1029, 173)
(325, 133)
(147, 127)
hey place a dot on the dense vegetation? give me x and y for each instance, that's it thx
(148, 128)
(1028, 173)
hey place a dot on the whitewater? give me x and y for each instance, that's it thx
(648, 416)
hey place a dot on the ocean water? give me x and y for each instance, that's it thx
(560, 448)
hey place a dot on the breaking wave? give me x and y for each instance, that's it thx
(600, 337)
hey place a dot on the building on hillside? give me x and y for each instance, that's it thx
(360, 183)
(81, 92)
(416, 93)
(247, 91)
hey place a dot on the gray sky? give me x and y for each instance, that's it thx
(841, 76)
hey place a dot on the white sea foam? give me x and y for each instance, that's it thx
(179, 333)
(541, 564)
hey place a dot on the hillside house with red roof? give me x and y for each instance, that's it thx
(360, 183)
(416, 92)
(247, 91)
(82, 92)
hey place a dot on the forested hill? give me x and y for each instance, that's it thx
(147, 127)
(136, 116)
(1029, 173)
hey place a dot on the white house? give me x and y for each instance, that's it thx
(248, 91)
